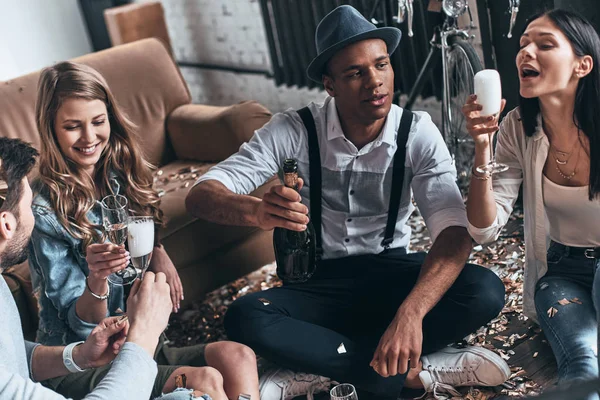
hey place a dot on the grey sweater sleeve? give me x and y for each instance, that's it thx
(29, 349)
(131, 377)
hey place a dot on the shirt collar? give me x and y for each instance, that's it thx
(334, 127)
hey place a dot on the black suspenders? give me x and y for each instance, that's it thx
(397, 177)
(314, 158)
(315, 176)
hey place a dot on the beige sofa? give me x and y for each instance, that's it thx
(176, 136)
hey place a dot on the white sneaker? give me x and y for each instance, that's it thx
(469, 366)
(284, 384)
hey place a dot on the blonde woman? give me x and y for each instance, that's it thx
(88, 151)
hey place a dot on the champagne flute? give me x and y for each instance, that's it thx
(344, 391)
(489, 94)
(140, 242)
(114, 220)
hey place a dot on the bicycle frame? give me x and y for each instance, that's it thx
(439, 43)
(446, 117)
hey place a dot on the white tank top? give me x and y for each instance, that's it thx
(574, 219)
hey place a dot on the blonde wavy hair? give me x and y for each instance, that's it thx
(71, 191)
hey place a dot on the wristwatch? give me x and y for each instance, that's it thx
(68, 358)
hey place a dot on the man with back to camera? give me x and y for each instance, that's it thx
(134, 339)
(371, 315)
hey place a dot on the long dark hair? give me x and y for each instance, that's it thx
(586, 116)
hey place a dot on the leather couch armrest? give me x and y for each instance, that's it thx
(211, 133)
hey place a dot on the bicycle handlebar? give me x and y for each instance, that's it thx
(514, 10)
(405, 7)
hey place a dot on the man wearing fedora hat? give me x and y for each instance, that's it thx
(371, 310)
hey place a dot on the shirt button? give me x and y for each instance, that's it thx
(351, 192)
(349, 220)
(346, 240)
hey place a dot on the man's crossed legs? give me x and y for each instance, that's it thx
(331, 325)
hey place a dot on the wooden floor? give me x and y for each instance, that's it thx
(532, 353)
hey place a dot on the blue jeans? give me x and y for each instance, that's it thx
(573, 331)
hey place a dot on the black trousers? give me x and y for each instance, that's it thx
(351, 301)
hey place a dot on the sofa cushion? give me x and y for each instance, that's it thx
(195, 238)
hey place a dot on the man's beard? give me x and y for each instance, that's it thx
(15, 253)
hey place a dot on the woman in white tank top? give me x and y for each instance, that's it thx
(551, 143)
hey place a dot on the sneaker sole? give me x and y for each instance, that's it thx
(486, 354)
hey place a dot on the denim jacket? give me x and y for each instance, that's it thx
(58, 269)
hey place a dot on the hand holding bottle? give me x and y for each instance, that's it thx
(295, 251)
(281, 207)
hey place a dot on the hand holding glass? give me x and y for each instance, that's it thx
(489, 94)
(114, 220)
(140, 242)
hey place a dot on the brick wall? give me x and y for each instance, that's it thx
(231, 33)
(228, 33)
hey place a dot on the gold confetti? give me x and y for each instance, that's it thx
(576, 300)
(341, 348)
(188, 329)
(563, 302)
(551, 312)
(535, 354)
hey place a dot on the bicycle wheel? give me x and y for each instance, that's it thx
(462, 65)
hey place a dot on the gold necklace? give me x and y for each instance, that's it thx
(559, 161)
(563, 154)
(572, 174)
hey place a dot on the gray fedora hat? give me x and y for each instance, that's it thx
(341, 27)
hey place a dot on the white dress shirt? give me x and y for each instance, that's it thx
(356, 184)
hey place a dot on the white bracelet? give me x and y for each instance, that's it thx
(68, 358)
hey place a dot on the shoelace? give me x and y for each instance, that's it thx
(441, 391)
(451, 376)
